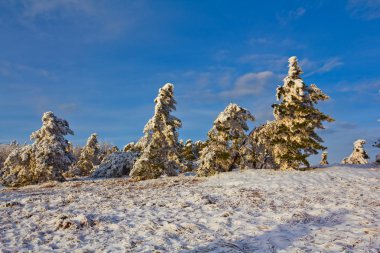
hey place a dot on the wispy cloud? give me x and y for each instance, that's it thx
(318, 67)
(221, 55)
(364, 9)
(363, 86)
(199, 86)
(45, 8)
(297, 13)
(92, 20)
(339, 126)
(14, 70)
(273, 41)
(265, 61)
(249, 84)
(70, 107)
(259, 40)
(287, 16)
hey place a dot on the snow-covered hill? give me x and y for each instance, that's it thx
(333, 209)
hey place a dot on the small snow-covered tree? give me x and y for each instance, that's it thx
(225, 139)
(324, 158)
(260, 140)
(160, 144)
(358, 155)
(292, 136)
(46, 159)
(116, 164)
(189, 153)
(89, 157)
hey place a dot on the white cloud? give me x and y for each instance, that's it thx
(249, 84)
(330, 65)
(265, 61)
(365, 9)
(259, 40)
(70, 107)
(221, 55)
(287, 16)
(366, 85)
(318, 67)
(33, 9)
(90, 20)
(15, 70)
(295, 14)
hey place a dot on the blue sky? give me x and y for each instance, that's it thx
(99, 64)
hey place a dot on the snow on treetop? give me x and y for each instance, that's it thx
(294, 70)
(359, 143)
(51, 125)
(232, 109)
(168, 86)
(165, 99)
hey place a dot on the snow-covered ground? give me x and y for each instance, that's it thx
(334, 209)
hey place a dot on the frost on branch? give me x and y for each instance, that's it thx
(293, 135)
(90, 157)
(358, 155)
(225, 139)
(160, 145)
(116, 164)
(324, 158)
(46, 159)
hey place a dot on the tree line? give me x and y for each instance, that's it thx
(284, 143)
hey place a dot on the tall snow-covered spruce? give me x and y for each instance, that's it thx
(46, 159)
(222, 150)
(291, 138)
(160, 146)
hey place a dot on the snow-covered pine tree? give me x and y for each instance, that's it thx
(292, 136)
(160, 149)
(358, 155)
(46, 159)
(324, 158)
(225, 139)
(116, 164)
(90, 156)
